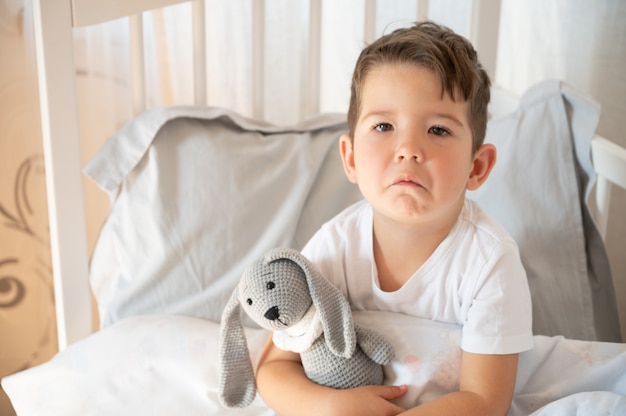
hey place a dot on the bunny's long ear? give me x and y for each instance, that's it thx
(334, 309)
(237, 383)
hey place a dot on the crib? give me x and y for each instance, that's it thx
(158, 335)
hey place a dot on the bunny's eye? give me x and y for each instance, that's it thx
(270, 285)
(249, 301)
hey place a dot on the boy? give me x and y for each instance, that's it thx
(415, 245)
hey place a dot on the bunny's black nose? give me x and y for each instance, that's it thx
(272, 313)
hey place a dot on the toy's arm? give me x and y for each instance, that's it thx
(374, 345)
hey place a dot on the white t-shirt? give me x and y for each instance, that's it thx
(475, 278)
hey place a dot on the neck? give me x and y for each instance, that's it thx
(401, 249)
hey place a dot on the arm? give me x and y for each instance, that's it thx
(286, 389)
(486, 388)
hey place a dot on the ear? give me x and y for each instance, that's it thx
(237, 386)
(346, 149)
(334, 309)
(484, 161)
(335, 314)
(374, 345)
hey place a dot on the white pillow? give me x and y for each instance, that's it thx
(144, 365)
(538, 192)
(198, 194)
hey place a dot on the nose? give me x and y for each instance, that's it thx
(409, 148)
(272, 313)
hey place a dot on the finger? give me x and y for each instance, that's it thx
(393, 392)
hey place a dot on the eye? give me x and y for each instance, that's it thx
(439, 131)
(383, 127)
(249, 301)
(270, 285)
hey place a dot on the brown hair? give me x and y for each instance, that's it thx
(431, 46)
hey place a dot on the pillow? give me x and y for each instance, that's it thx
(538, 191)
(156, 365)
(198, 193)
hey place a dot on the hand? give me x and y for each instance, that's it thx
(366, 400)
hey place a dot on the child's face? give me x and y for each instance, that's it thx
(411, 154)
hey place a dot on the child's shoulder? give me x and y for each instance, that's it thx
(351, 215)
(482, 223)
(348, 226)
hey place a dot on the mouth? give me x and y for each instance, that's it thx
(407, 180)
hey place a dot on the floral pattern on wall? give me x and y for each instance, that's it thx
(26, 294)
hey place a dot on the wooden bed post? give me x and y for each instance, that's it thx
(59, 124)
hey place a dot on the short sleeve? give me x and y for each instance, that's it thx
(499, 318)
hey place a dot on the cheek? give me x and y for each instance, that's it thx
(368, 172)
(455, 174)
(369, 159)
(253, 313)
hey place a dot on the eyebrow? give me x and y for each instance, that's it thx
(449, 117)
(374, 113)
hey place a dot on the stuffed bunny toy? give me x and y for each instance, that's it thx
(284, 293)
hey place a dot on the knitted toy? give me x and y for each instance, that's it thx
(283, 292)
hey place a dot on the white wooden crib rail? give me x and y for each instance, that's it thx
(609, 161)
(54, 21)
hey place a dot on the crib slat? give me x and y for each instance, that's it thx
(369, 32)
(199, 51)
(59, 125)
(609, 161)
(258, 57)
(484, 27)
(137, 63)
(422, 10)
(312, 60)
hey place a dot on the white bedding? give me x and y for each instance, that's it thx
(164, 365)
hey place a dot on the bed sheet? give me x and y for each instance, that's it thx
(165, 364)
